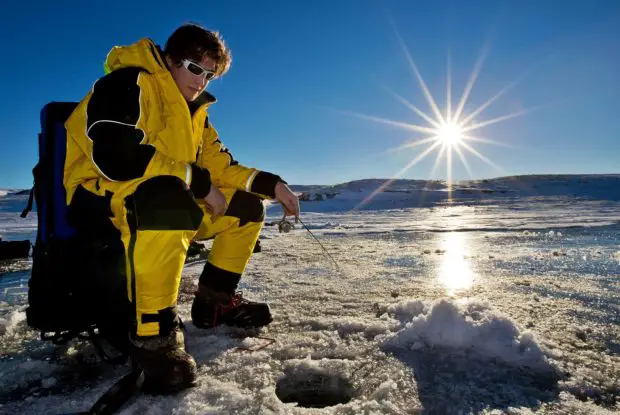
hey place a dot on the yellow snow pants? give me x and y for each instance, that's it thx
(157, 219)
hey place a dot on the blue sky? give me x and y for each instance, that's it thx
(298, 66)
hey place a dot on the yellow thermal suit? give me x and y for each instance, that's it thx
(144, 158)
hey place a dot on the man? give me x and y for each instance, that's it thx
(142, 154)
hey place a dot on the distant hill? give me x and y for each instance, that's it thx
(420, 193)
(404, 193)
(14, 192)
(21, 192)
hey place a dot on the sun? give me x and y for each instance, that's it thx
(450, 134)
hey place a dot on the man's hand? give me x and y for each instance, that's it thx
(216, 203)
(288, 199)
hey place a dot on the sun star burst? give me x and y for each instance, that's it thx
(445, 133)
(450, 134)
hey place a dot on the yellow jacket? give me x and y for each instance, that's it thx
(136, 124)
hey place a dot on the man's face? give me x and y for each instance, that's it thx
(190, 84)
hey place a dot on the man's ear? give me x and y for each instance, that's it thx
(169, 61)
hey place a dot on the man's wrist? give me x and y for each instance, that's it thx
(201, 182)
(265, 184)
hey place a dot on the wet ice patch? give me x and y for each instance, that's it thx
(403, 261)
(473, 328)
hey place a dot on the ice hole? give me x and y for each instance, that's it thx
(314, 390)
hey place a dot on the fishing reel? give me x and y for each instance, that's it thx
(285, 225)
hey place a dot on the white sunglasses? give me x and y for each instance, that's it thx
(198, 70)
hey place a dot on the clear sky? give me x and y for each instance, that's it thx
(301, 67)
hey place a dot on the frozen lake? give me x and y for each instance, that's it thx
(500, 306)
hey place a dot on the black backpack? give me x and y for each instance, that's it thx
(78, 283)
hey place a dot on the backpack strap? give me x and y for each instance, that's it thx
(119, 394)
(123, 390)
(95, 339)
(63, 337)
(59, 337)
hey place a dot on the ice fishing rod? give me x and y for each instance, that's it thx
(285, 226)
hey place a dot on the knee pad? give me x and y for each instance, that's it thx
(247, 207)
(163, 203)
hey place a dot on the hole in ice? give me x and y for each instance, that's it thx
(311, 389)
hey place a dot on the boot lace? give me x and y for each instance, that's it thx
(235, 301)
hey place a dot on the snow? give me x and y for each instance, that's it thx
(475, 328)
(11, 321)
(496, 303)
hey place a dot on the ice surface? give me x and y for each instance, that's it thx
(12, 226)
(439, 308)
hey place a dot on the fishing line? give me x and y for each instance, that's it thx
(285, 226)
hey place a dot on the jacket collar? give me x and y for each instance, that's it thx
(205, 98)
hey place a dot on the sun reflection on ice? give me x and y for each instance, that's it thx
(454, 271)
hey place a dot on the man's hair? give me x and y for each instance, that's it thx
(192, 41)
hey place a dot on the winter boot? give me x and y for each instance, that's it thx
(257, 247)
(212, 308)
(167, 367)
